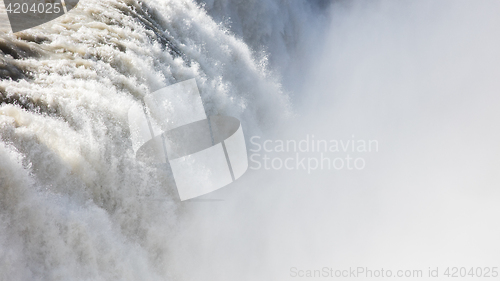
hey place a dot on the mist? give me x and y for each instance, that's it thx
(420, 78)
(371, 129)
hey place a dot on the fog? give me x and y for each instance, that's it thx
(420, 78)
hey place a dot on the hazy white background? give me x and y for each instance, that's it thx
(421, 77)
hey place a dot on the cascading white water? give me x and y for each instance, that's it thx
(419, 77)
(74, 202)
(287, 33)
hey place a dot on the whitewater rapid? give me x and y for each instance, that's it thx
(74, 202)
(419, 78)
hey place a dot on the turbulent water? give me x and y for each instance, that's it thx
(419, 77)
(74, 203)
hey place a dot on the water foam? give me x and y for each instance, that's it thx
(74, 202)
